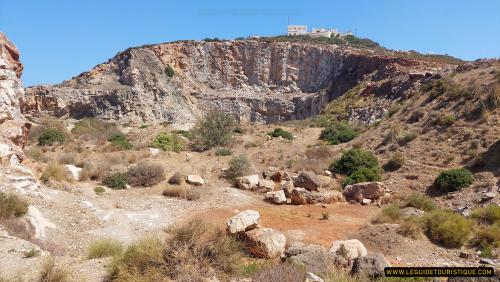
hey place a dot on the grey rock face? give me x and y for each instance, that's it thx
(253, 80)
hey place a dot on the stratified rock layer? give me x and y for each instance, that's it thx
(253, 80)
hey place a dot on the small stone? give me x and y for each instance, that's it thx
(366, 201)
(195, 180)
(486, 261)
(154, 151)
(243, 221)
(311, 277)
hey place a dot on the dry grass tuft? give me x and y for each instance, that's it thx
(50, 272)
(182, 192)
(106, 247)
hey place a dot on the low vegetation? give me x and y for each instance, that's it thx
(116, 180)
(106, 247)
(11, 205)
(359, 166)
(453, 180)
(395, 162)
(280, 132)
(51, 136)
(94, 129)
(51, 272)
(289, 272)
(54, 172)
(447, 228)
(223, 152)
(338, 132)
(167, 142)
(238, 166)
(99, 190)
(420, 201)
(120, 141)
(145, 174)
(182, 192)
(213, 130)
(169, 71)
(194, 251)
(390, 214)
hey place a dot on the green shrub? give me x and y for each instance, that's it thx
(238, 166)
(338, 132)
(487, 215)
(104, 248)
(223, 152)
(406, 137)
(239, 130)
(120, 141)
(354, 159)
(487, 236)
(143, 126)
(395, 162)
(12, 205)
(145, 174)
(280, 132)
(51, 136)
(447, 228)
(389, 214)
(363, 174)
(167, 142)
(213, 130)
(446, 120)
(116, 181)
(420, 201)
(183, 133)
(454, 179)
(99, 190)
(169, 71)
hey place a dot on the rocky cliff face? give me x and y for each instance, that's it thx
(253, 80)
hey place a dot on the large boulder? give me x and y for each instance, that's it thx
(314, 258)
(328, 197)
(350, 249)
(266, 185)
(365, 190)
(371, 266)
(265, 242)
(307, 180)
(195, 180)
(250, 182)
(243, 221)
(277, 197)
(301, 196)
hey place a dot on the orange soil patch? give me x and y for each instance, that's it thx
(303, 223)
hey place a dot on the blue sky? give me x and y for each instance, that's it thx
(59, 39)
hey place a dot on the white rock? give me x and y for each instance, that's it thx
(247, 182)
(311, 277)
(366, 201)
(265, 242)
(277, 197)
(327, 173)
(195, 179)
(267, 185)
(353, 247)
(39, 222)
(154, 151)
(243, 221)
(73, 171)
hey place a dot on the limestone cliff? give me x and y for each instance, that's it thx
(254, 80)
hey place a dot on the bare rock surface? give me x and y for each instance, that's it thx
(265, 242)
(243, 221)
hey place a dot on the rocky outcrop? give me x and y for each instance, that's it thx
(265, 242)
(254, 80)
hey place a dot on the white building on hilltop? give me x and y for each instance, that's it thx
(315, 32)
(297, 29)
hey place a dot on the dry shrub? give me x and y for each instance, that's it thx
(145, 174)
(68, 158)
(54, 172)
(176, 179)
(410, 229)
(11, 205)
(37, 154)
(194, 251)
(50, 272)
(94, 170)
(319, 152)
(94, 129)
(18, 227)
(182, 192)
(281, 272)
(105, 247)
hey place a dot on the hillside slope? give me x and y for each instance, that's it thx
(261, 81)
